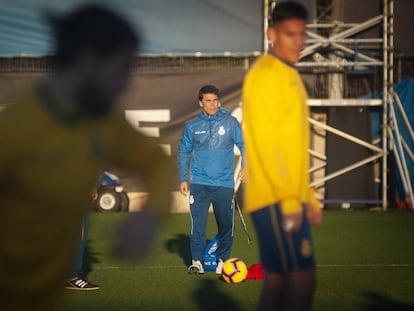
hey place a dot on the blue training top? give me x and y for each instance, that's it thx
(209, 142)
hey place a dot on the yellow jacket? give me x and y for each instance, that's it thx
(276, 133)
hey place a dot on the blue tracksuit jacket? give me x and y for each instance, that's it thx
(209, 142)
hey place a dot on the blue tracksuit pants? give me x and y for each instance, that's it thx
(77, 265)
(221, 199)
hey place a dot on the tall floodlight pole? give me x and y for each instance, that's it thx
(388, 45)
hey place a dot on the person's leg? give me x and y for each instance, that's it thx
(273, 259)
(288, 260)
(77, 266)
(273, 291)
(301, 286)
(288, 292)
(199, 205)
(301, 278)
(77, 280)
(222, 199)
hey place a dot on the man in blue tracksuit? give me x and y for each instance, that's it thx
(207, 147)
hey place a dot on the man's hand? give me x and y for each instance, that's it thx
(292, 214)
(94, 195)
(241, 175)
(314, 209)
(184, 188)
(315, 215)
(292, 222)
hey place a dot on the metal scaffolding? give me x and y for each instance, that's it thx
(341, 35)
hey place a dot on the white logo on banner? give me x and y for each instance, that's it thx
(134, 117)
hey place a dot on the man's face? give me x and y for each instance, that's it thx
(209, 103)
(103, 81)
(288, 38)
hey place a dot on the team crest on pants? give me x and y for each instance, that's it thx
(306, 248)
(221, 130)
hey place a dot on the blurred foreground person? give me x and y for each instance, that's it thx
(276, 173)
(56, 139)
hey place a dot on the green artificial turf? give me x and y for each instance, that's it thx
(365, 262)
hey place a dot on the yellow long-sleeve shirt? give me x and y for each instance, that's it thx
(276, 133)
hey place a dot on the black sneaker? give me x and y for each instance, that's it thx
(80, 284)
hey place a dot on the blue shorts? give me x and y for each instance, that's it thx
(281, 251)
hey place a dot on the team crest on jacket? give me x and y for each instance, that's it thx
(221, 130)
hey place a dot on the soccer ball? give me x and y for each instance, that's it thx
(234, 270)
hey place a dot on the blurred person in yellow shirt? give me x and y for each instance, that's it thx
(277, 194)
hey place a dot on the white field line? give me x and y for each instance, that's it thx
(380, 265)
(391, 265)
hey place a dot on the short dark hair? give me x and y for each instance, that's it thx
(92, 27)
(207, 89)
(288, 10)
